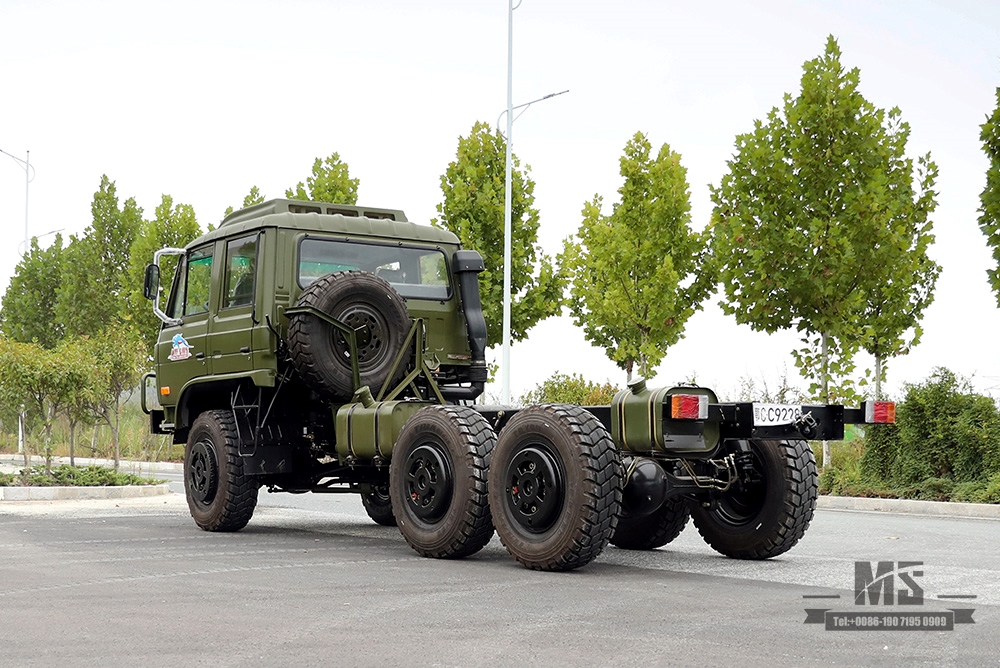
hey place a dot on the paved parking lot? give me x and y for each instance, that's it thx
(312, 582)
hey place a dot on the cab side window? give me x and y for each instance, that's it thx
(198, 281)
(241, 261)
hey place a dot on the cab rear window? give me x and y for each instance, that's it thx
(415, 272)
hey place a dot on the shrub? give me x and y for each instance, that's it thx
(570, 389)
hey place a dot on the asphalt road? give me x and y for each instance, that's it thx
(311, 581)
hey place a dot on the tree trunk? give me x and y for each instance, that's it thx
(48, 437)
(826, 396)
(878, 378)
(22, 438)
(72, 442)
(114, 433)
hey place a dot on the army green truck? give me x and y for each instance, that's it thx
(316, 347)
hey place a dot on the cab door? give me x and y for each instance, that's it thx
(233, 324)
(181, 352)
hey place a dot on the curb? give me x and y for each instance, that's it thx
(911, 507)
(124, 466)
(79, 493)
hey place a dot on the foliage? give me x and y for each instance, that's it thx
(330, 181)
(172, 226)
(641, 272)
(119, 356)
(28, 311)
(43, 381)
(817, 226)
(73, 476)
(473, 188)
(252, 198)
(943, 430)
(989, 210)
(94, 283)
(560, 388)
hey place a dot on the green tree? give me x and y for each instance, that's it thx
(330, 181)
(253, 197)
(817, 226)
(641, 272)
(119, 358)
(473, 209)
(172, 226)
(94, 283)
(41, 380)
(560, 388)
(904, 277)
(989, 210)
(28, 310)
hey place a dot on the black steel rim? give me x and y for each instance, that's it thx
(536, 485)
(429, 482)
(371, 335)
(745, 499)
(203, 472)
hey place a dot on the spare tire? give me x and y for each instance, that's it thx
(320, 352)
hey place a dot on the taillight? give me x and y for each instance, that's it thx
(688, 407)
(880, 412)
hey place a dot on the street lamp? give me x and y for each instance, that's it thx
(507, 234)
(29, 176)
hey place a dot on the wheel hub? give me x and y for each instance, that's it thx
(203, 472)
(535, 489)
(428, 482)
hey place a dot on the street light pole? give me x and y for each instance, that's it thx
(28, 177)
(26, 166)
(505, 363)
(507, 223)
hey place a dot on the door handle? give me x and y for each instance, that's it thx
(245, 349)
(200, 356)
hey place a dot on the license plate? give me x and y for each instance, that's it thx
(771, 415)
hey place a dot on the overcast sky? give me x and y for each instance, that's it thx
(202, 100)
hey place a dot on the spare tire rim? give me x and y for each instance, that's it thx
(203, 472)
(535, 488)
(371, 333)
(428, 482)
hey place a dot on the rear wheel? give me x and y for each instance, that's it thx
(769, 508)
(648, 532)
(437, 481)
(220, 496)
(378, 505)
(555, 487)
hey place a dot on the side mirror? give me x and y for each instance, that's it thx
(151, 284)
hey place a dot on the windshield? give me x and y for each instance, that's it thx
(418, 273)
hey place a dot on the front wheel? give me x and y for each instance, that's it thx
(220, 496)
(769, 508)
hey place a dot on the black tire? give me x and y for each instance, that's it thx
(378, 505)
(320, 352)
(437, 481)
(648, 532)
(220, 495)
(766, 518)
(555, 487)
